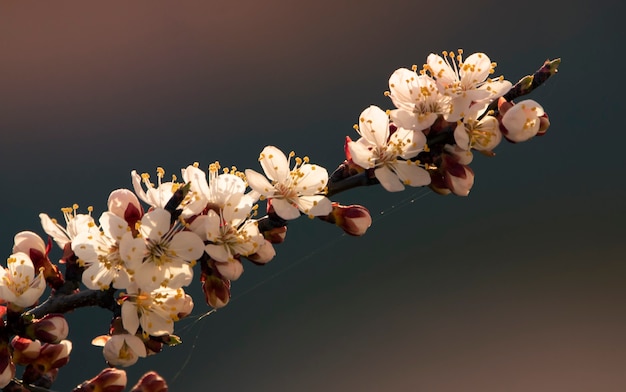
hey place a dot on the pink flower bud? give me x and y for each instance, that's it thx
(7, 367)
(52, 328)
(460, 180)
(25, 351)
(230, 270)
(276, 235)
(124, 203)
(150, 382)
(108, 380)
(353, 219)
(54, 356)
(186, 308)
(31, 244)
(544, 124)
(265, 253)
(216, 290)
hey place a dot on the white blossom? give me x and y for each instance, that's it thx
(155, 311)
(231, 233)
(522, 120)
(466, 82)
(74, 224)
(291, 191)
(18, 283)
(418, 100)
(163, 254)
(121, 349)
(376, 149)
(100, 253)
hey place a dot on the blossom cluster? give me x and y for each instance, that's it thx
(443, 112)
(140, 254)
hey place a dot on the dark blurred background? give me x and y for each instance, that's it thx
(519, 287)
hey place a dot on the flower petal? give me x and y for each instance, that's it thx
(274, 164)
(388, 179)
(374, 125)
(259, 183)
(285, 209)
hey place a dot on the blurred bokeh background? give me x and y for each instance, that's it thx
(519, 287)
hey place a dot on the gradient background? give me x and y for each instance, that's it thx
(521, 287)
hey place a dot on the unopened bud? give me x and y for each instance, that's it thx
(460, 180)
(150, 382)
(544, 124)
(108, 380)
(186, 308)
(230, 270)
(265, 253)
(33, 245)
(216, 290)
(54, 356)
(52, 328)
(353, 219)
(276, 235)
(25, 351)
(124, 203)
(7, 367)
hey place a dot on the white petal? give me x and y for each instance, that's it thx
(259, 183)
(313, 179)
(97, 276)
(136, 344)
(179, 274)
(475, 69)
(461, 137)
(404, 119)
(285, 209)
(388, 179)
(316, 205)
(230, 270)
(149, 276)
(411, 142)
(404, 90)
(113, 226)
(54, 230)
(226, 185)
(440, 69)
(22, 267)
(410, 174)
(212, 227)
(156, 325)
(361, 152)
(24, 241)
(219, 252)
(136, 179)
(197, 178)
(187, 245)
(155, 224)
(132, 251)
(274, 164)
(522, 121)
(374, 125)
(130, 321)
